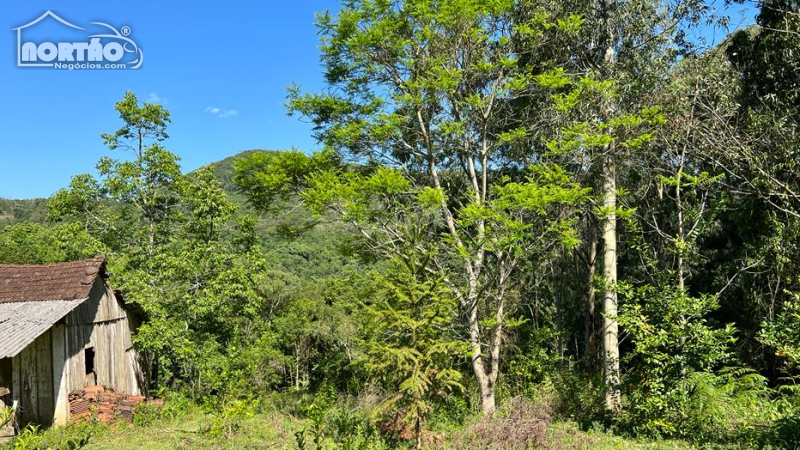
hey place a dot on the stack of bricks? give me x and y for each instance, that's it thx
(105, 404)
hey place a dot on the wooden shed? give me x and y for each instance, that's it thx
(61, 329)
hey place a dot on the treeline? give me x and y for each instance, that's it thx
(572, 200)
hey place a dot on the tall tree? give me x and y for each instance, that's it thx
(630, 46)
(143, 187)
(178, 250)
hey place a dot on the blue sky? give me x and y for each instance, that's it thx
(221, 68)
(231, 55)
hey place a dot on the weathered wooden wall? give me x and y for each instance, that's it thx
(100, 323)
(32, 381)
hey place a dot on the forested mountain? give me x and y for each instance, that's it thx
(33, 210)
(292, 239)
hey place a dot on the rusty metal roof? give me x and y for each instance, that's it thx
(22, 322)
(36, 283)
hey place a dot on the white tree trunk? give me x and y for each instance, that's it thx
(485, 380)
(610, 326)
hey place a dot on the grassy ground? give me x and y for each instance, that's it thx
(193, 430)
(275, 422)
(197, 430)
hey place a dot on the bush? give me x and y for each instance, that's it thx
(579, 397)
(675, 350)
(451, 411)
(176, 405)
(532, 362)
(229, 415)
(333, 423)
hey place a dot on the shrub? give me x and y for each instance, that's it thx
(532, 362)
(577, 396)
(229, 415)
(673, 342)
(332, 423)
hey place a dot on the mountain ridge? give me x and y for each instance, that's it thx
(35, 209)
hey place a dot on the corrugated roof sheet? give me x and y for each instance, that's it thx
(22, 322)
(36, 283)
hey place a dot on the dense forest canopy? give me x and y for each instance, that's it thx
(563, 200)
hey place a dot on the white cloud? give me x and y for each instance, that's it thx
(219, 112)
(155, 98)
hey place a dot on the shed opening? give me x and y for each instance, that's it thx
(88, 358)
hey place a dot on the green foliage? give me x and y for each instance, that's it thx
(766, 56)
(674, 346)
(30, 243)
(177, 247)
(397, 217)
(140, 124)
(413, 345)
(732, 404)
(6, 416)
(448, 228)
(579, 397)
(229, 415)
(533, 362)
(316, 412)
(176, 407)
(333, 425)
(271, 178)
(783, 334)
(575, 98)
(29, 210)
(31, 438)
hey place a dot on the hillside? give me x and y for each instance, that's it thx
(30, 210)
(35, 209)
(224, 171)
(294, 240)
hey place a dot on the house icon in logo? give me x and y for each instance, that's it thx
(19, 37)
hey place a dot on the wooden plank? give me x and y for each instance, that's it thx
(44, 378)
(60, 375)
(29, 400)
(71, 337)
(135, 374)
(16, 378)
(114, 309)
(114, 351)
